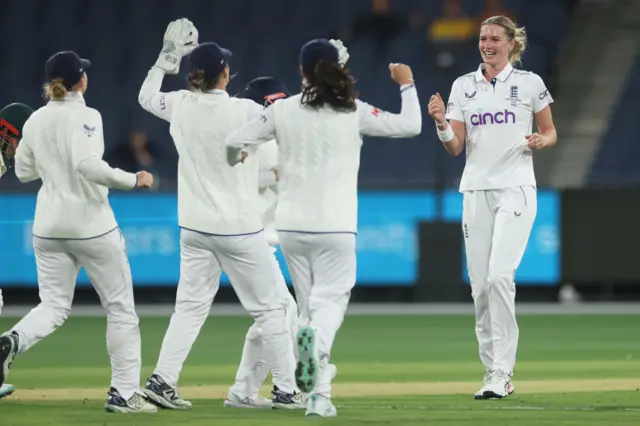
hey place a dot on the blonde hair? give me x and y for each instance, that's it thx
(55, 89)
(518, 35)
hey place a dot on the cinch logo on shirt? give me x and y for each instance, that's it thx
(500, 117)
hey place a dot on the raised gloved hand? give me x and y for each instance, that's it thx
(180, 38)
(343, 54)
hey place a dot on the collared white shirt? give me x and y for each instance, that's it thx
(497, 114)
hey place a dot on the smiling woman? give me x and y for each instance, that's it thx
(491, 111)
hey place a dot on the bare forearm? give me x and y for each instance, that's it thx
(551, 136)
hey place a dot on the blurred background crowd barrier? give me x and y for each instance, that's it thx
(410, 245)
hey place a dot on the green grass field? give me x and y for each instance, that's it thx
(400, 370)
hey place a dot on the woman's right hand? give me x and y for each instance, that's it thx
(144, 179)
(401, 73)
(437, 109)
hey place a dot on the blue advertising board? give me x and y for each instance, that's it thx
(387, 242)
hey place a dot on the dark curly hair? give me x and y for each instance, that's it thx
(330, 84)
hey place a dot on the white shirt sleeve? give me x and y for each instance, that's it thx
(259, 130)
(25, 161)
(542, 97)
(151, 99)
(375, 122)
(87, 141)
(255, 110)
(454, 103)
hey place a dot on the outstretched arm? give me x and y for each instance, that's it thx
(375, 122)
(180, 38)
(259, 130)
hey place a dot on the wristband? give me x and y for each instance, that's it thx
(445, 135)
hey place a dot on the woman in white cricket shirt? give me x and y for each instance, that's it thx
(493, 109)
(218, 211)
(62, 144)
(319, 134)
(253, 371)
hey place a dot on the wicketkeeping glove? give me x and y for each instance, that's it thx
(180, 38)
(343, 54)
(1, 301)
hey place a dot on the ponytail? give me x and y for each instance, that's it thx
(55, 90)
(330, 84)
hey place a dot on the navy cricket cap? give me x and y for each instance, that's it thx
(209, 57)
(265, 90)
(317, 50)
(66, 65)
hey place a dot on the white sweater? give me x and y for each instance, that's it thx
(319, 157)
(62, 145)
(213, 197)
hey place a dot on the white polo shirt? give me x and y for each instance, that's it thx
(497, 114)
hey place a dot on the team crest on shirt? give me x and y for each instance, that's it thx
(89, 131)
(514, 99)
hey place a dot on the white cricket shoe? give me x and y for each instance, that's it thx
(257, 402)
(6, 390)
(321, 406)
(163, 395)
(498, 386)
(136, 404)
(485, 380)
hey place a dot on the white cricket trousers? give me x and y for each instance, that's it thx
(248, 262)
(105, 260)
(323, 272)
(253, 370)
(496, 225)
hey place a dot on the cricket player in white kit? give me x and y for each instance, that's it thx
(493, 109)
(218, 210)
(253, 371)
(74, 227)
(12, 119)
(319, 134)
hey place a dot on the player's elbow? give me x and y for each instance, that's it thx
(144, 102)
(24, 176)
(415, 128)
(410, 129)
(25, 173)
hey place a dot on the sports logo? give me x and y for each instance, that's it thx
(470, 96)
(514, 96)
(500, 117)
(273, 97)
(89, 131)
(375, 112)
(450, 107)
(544, 94)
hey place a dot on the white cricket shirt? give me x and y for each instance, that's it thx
(213, 197)
(497, 117)
(63, 144)
(319, 157)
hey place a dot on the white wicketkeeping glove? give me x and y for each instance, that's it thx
(343, 54)
(1, 301)
(179, 40)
